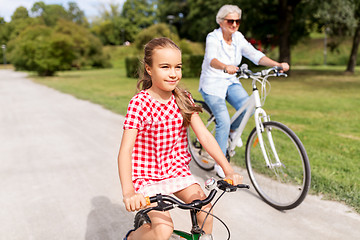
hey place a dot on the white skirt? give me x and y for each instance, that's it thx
(168, 186)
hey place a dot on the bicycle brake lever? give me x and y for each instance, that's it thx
(243, 186)
(225, 186)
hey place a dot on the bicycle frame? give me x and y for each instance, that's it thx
(185, 235)
(260, 116)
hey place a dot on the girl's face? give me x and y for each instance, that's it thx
(165, 71)
(231, 23)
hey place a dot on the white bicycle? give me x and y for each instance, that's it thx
(276, 160)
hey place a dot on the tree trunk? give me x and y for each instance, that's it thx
(355, 46)
(286, 12)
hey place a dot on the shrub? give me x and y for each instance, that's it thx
(192, 65)
(39, 49)
(133, 66)
(47, 50)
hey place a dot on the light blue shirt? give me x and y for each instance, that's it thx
(215, 81)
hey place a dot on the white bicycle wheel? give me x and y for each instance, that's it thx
(283, 186)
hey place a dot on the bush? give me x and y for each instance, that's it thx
(47, 50)
(133, 66)
(192, 65)
(39, 49)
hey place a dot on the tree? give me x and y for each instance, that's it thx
(50, 14)
(154, 31)
(201, 18)
(138, 15)
(20, 13)
(174, 12)
(286, 12)
(111, 27)
(76, 15)
(282, 23)
(340, 18)
(356, 40)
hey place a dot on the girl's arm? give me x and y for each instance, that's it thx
(210, 144)
(133, 201)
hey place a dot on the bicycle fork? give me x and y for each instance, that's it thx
(260, 117)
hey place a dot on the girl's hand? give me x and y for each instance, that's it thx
(236, 178)
(134, 202)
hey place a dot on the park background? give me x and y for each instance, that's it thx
(96, 59)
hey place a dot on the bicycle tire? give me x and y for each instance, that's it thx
(284, 186)
(198, 153)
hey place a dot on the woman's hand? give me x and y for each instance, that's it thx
(230, 69)
(235, 177)
(134, 202)
(285, 66)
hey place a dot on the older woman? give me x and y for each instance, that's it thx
(225, 47)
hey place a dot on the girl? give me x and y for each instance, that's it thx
(153, 156)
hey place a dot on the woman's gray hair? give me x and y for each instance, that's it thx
(225, 10)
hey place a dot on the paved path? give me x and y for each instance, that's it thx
(58, 178)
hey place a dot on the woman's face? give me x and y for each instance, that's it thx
(231, 23)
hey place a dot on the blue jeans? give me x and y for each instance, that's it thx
(236, 96)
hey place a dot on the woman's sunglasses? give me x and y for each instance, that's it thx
(231, 21)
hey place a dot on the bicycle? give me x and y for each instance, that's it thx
(166, 203)
(276, 160)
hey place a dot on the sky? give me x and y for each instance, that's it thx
(90, 7)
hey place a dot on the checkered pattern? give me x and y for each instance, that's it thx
(160, 150)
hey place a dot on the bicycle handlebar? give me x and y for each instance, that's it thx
(166, 202)
(244, 70)
(264, 73)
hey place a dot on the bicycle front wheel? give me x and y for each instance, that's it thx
(198, 153)
(285, 182)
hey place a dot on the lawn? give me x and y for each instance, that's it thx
(320, 104)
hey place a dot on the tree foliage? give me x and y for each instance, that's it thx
(157, 30)
(111, 27)
(117, 25)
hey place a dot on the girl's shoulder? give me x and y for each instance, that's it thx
(141, 101)
(140, 97)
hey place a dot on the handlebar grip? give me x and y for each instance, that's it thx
(147, 201)
(229, 181)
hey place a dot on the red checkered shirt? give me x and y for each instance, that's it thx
(160, 150)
